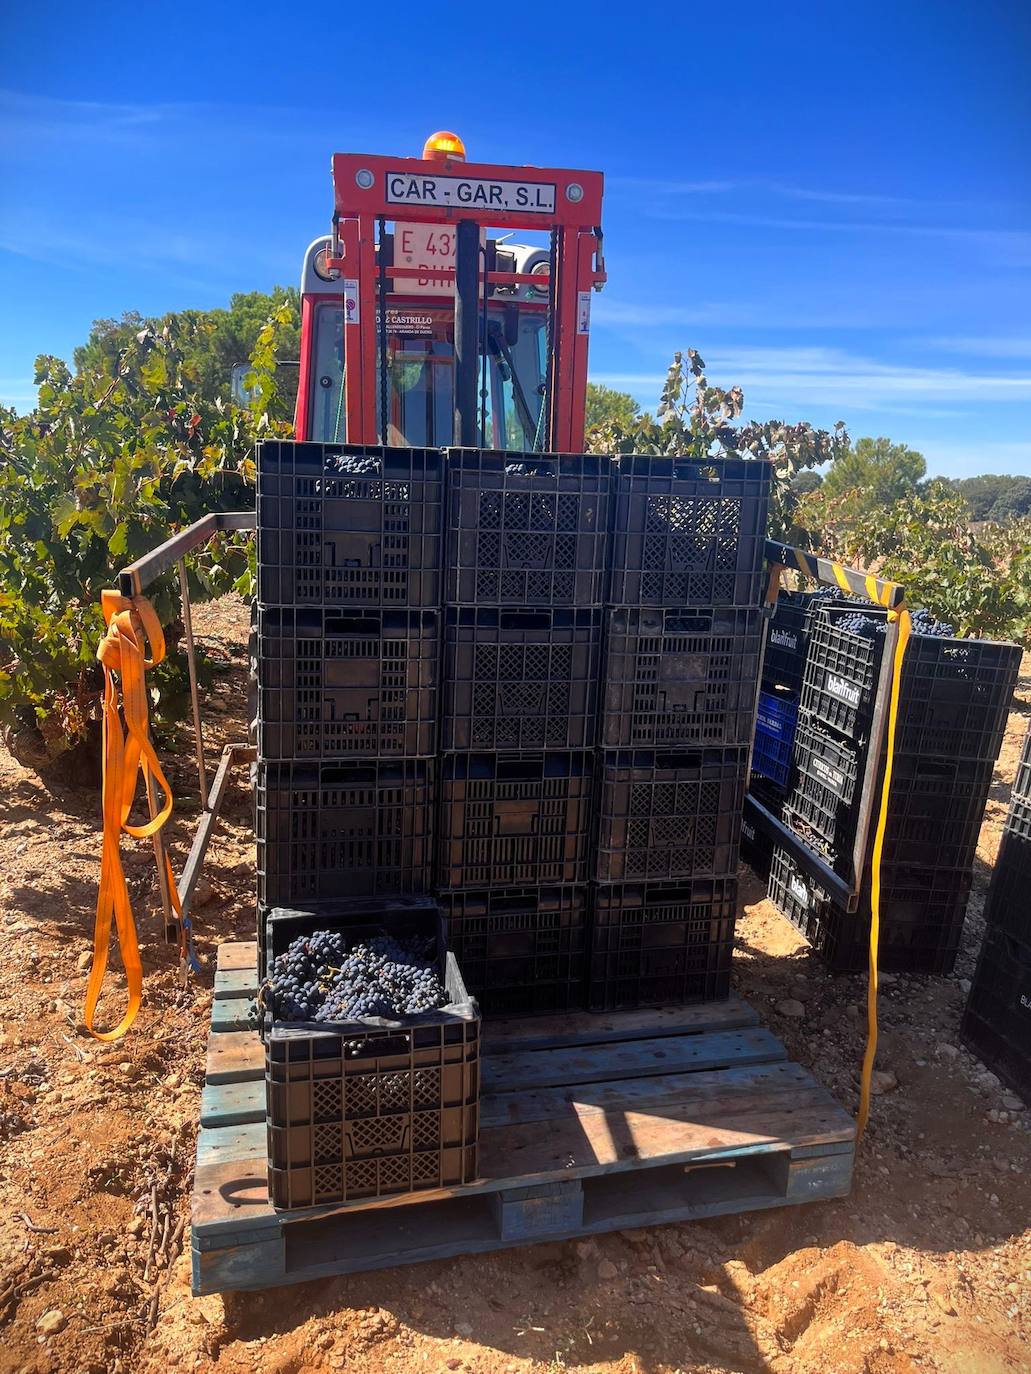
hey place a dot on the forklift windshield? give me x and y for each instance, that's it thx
(420, 375)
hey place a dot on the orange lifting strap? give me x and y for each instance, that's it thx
(130, 625)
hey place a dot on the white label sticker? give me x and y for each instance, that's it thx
(843, 689)
(828, 775)
(786, 639)
(527, 197)
(349, 286)
(799, 890)
(583, 312)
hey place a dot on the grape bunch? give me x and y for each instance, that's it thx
(355, 464)
(924, 623)
(319, 979)
(858, 624)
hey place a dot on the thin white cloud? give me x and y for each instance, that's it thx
(790, 191)
(677, 188)
(1012, 247)
(983, 346)
(824, 197)
(794, 379)
(608, 311)
(26, 121)
(119, 242)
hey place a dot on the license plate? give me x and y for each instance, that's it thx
(474, 193)
(423, 246)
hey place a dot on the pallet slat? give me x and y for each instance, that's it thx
(510, 1073)
(519, 1033)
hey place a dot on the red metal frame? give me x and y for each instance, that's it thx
(579, 268)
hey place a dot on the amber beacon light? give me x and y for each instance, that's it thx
(443, 145)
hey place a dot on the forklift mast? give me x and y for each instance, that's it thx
(420, 327)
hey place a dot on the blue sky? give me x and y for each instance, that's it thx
(831, 201)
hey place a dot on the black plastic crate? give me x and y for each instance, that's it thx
(371, 1108)
(787, 638)
(666, 816)
(756, 846)
(922, 913)
(776, 721)
(679, 678)
(935, 810)
(827, 783)
(348, 829)
(689, 533)
(797, 896)
(923, 908)
(520, 679)
(351, 683)
(511, 820)
(656, 944)
(521, 949)
(1008, 907)
(935, 807)
(526, 529)
(1022, 783)
(956, 696)
(996, 1024)
(1018, 818)
(349, 525)
(842, 671)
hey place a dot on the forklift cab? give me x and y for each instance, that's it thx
(512, 348)
(421, 327)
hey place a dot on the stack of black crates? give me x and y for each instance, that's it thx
(348, 654)
(525, 570)
(349, 560)
(521, 685)
(954, 700)
(997, 1021)
(681, 659)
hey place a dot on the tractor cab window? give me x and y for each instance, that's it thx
(420, 392)
(327, 396)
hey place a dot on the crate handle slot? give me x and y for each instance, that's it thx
(375, 1048)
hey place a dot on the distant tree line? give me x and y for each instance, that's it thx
(999, 499)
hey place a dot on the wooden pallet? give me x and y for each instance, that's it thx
(589, 1123)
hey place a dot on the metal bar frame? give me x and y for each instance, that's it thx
(232, 756)
(888, 595)
(136, 577)
(133, 581)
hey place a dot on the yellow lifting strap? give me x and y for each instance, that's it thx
(882, 597)
(131, 624)
(905, 629)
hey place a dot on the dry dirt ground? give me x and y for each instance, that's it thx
(926, 1266)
